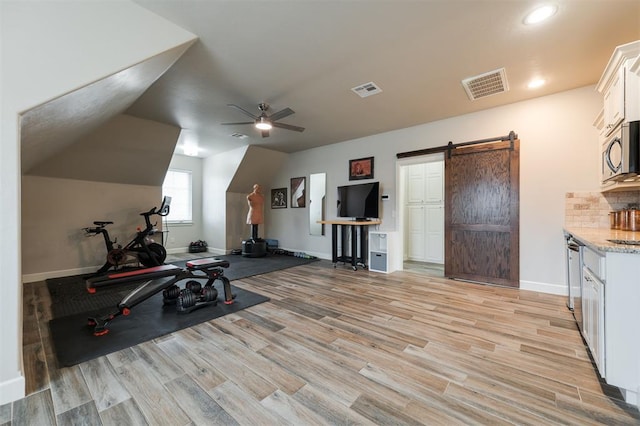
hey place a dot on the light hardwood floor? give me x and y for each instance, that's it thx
(334, 346)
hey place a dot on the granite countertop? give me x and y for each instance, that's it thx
(598, 238)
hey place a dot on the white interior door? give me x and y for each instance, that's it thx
(416, 249)
(434, 233)
(434, 183)
(424, 206)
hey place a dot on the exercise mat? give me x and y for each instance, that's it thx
(69, 295)
(72, 305)
(74, 342)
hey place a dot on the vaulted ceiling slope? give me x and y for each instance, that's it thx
(307, 55)
(125, 150)
(69, 136)
(81, 134)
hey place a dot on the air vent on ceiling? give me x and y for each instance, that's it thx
(239, 135)
(366, 89)
(487, 84)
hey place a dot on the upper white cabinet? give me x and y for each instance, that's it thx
(425, 183)
(620, 87)
(614, 102)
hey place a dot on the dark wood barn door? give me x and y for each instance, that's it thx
(482, 213)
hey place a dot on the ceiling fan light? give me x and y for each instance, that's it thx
(263, 124)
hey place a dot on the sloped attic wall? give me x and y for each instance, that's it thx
(228, 178)
(125, 150)
(55, 129)
(258, 166)
(49, 49)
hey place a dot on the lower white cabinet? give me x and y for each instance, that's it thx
(611, 316)
(593, 317)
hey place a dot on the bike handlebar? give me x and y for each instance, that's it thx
(163, 212)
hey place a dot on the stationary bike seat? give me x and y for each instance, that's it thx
(102, 223)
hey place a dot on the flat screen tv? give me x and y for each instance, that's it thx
(361, 201)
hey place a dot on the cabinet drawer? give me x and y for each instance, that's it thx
(595, 261)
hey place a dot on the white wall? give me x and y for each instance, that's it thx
(44, 51)
(558, 153)
(218, 172)
(54, 211)
(180, 235)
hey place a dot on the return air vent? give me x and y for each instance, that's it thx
(487, 84)
(366, 89)
(239, 136)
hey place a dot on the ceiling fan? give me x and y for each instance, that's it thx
(265, 122)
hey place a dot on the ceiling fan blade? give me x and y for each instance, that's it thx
(265, 133)
(281, 114)
(242, 110)
(233, 124)
(288, 127)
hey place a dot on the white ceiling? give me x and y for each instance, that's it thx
(307, 55)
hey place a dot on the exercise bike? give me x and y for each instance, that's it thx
(142, 247)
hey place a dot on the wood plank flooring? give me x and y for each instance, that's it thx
(338, 347)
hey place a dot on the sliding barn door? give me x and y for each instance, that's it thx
(482, 213)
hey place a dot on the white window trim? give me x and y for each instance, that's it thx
(185, 222)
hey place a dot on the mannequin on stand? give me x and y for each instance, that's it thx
(255, 247)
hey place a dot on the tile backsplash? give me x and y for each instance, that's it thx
(591, 209)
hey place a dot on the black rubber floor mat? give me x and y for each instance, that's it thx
(69, 295)
(74, 341)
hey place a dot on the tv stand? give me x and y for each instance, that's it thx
(350, 227)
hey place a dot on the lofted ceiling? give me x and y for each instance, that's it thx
(307, 55)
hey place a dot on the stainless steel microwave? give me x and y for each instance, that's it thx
(621, 153)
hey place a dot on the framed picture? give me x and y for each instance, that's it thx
(362, 168)
(279, 198)
(297, 192)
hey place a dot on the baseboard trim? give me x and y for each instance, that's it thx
(41, 276)
(560, 290)
(177, 250)
(12, 390)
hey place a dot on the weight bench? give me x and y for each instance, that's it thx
(94, 283)
(193, 296)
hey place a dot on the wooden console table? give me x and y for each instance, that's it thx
(350, 228)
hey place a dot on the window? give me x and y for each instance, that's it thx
(177, 185)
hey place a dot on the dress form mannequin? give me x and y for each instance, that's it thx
(255, 247)
(255, 216)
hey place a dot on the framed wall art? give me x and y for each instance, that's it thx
(298, 192)
(362, 168)
(279, 198)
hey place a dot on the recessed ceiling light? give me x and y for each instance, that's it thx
(540, 14)
(190, 150)
(534, 84)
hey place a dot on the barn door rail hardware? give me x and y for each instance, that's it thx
(511, 137)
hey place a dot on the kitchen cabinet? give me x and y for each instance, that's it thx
(622, 318)
(614, 102)
(593, 293)
(611, 308)
(620, 88)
